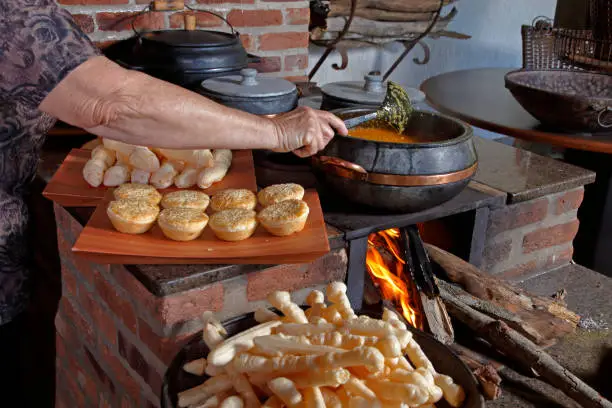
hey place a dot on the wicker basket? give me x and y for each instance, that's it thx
(546, 48)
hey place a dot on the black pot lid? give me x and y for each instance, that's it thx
(248, 85)
(370, 92)
(190, 38)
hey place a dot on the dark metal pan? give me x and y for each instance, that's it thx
(443, 358)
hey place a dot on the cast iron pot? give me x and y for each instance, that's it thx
(400, 177)
(183, 57)
(442, 358)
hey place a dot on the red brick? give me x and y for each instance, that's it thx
(328, 268)
(560, 258)
(248, 42)
(139, 364)
(120, 374)
(85, 22)
(517, 215)
(165, 348)
(116, 302)
(73, 388)
(60, 346)
(104, 401)
(267, 64)
(497, 252)
(297, 78)
(177, 20)
(293, 62)
(144, 300)
(103, 377)
(126, 402)
(122, 21)
(551, 236)
(92, 2)
(255, 18)
(67, 224)
(87, 384)
(297, 16)
(69, 283)
(226, 2)
(283, 41)
(85, 269)
(149, 404)
(66, 331)
(519, 271)
(569, 201)
(72, 316)
(189, 305)
(64, 247)
(105, 325)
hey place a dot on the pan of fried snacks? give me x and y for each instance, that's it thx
(319, 355)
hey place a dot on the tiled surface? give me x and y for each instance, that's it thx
(525, 175)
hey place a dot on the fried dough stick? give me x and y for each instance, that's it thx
(288, 364)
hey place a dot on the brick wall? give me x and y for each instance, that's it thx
(532, 236)
(276, 30)
(115, 339)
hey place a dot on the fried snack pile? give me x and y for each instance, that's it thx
(324, 356)
(114, 163)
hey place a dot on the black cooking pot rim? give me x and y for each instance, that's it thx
(230, 38)
(466, 134)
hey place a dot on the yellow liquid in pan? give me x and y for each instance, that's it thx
(381, 135)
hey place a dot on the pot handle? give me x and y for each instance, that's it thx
(341, 166)
(150, 7)
(602, 114)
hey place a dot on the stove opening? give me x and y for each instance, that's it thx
(386, 263)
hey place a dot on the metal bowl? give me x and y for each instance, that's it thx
(442, 357)
(574, 101)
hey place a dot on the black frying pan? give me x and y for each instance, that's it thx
(443, 358)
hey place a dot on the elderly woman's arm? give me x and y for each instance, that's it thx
(110, 101)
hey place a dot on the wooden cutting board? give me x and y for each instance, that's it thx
(69, 189)
(100, 242)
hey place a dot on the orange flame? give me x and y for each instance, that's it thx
(389, 274)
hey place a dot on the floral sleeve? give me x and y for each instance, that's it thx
(39, 45)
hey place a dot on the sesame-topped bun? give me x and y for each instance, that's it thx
(284, 218)
(186, 199)
(135, 191)
(234, 224)
(132, 216)
(182, 224)
(280, 192)
(233, 198)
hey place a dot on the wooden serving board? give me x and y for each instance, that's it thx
(69, 189)
(100, 242)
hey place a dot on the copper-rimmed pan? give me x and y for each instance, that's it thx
(400, 177)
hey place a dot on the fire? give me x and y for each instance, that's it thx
(389, 274)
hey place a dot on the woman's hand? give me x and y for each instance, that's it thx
(305, 131)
